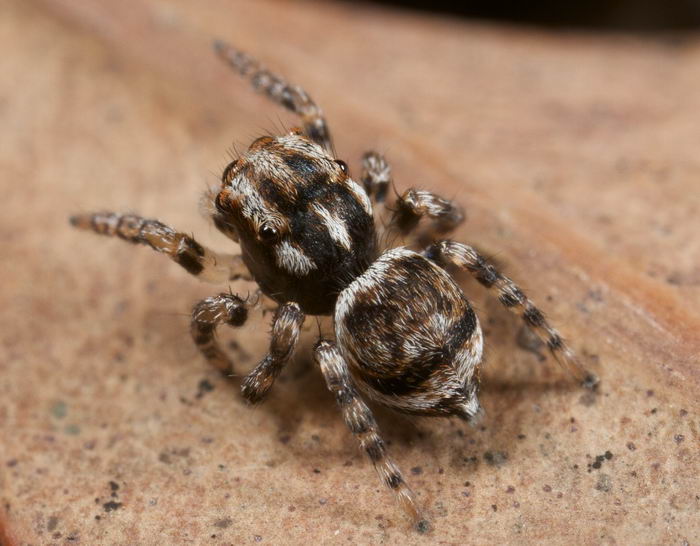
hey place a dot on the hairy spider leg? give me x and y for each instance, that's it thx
(359, 419)
(413, 204)
(291, 97)
(207, 315)
(512, 297)
(203, 263)
(286, 327)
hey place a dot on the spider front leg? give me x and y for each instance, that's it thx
(361, 423)
(376, 176)
(512, 297)
(286, 326)
(196, 259)
(292, 97)
(414, 204)
(206, 316)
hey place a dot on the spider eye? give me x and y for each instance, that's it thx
(268, 234)
(343, 166)
(226, 176)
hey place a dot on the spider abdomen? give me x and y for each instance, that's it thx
(410, 336)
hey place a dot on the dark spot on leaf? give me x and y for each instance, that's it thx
(496, 458)
(423, 526)
(588, 398)
(59, 410)
(223, 523)
(203, 387)
(604, 483)
(72, 429)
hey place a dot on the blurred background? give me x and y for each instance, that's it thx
(634, 15)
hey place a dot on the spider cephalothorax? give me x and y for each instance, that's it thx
(405, 333)
(305, 227)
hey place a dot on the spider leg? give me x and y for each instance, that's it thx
(196, 259)
(286, 326)
(291, 97)
(206, 316)
(376, 179)
(512, 297)
(359, 419)
(376, 176)
(414, 204)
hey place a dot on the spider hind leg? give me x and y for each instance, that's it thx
(359, 419)
(513, 298)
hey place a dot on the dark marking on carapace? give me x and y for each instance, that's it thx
(301, 165)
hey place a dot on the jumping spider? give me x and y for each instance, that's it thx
(405, 333)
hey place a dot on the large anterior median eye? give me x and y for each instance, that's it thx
(268, 234)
